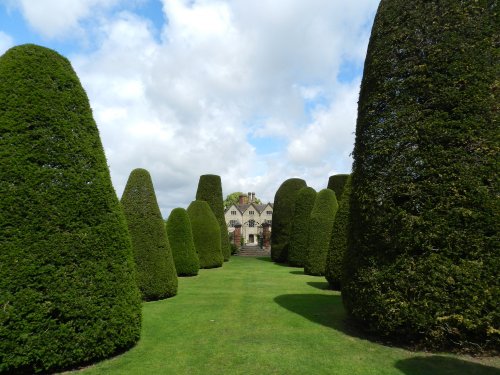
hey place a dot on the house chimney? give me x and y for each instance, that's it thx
(249, 197)
(253, 196)
(241, 199)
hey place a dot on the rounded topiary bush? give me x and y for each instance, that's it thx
(206, 234)
(320, 232)
(337, 183)
(284, 201)
(423, 260)
(210, 190)
(338, 240)
(181, 241)
(299, 237)
(156, 274)
(67, 281)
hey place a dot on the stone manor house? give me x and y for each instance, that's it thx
(250, 217)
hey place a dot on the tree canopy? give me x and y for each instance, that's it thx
(233, 198)
(423, 260)
(68, 294)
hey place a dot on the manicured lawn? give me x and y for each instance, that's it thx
(256, 317)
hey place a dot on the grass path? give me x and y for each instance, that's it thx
(256, 317)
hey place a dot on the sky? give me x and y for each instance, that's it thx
(254, 91)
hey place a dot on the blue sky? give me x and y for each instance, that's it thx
(255, 94)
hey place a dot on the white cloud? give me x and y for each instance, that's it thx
(184, 105)
(6, 42)
(53, 18)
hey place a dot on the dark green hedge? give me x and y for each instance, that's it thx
(320, 231)
(299, 236)
(181, 241)
(67, 280)
(338, 241)
(210, 190)
(206, 234)
(156, 274)
(284, 201)
(337, 183)
(423, 256)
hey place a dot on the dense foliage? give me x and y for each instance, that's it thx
(210, 190)
(206, 234)
(337, 183)
(284, 201)
(320, 232)
(180, 237)
(299, 242)
(423, 254)
(338, 240)
(156, 274)
(67, 281)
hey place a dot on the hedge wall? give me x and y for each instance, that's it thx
(67, 280)
(320, 231)
(338, 240)
(284, 201)
(337, 183)
(300, 226)
(206, 234)
(210, 190)
(181, 241)
(156, 274)
(423, 256)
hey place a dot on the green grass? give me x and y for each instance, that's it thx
(256, 317)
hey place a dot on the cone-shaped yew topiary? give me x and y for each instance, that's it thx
(284, 202)
(423, 259)
(320, 232)
(181, 241)
(338, 241)
(206, 234)
(156, 274)
(210, 190)
(337, 183)
(67, 280)
(299, 238)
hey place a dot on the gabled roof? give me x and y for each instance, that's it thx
(243, 207)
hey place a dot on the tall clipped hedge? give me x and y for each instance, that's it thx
(210, 190)
(423, 254)
(338, 240)
(320, 232)
(206, 234)
(284, 202)
(299, 236)
(156, 274)
(337, 183)
(180, 236)
(67, 280)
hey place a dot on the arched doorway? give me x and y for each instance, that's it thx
(251, 238)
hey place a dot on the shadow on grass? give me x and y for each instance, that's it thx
(269, 260)
(323, 309)
(440, 365)
(323, 285)
(297, 272)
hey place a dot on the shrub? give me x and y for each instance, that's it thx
(284, 201)
(300, 226)
(210, 190)
(320, 231)
(423, 255)
(156, 274)
(338, 240)
(67, 281)
(206, 234)
(181, 241)
(337, 183)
